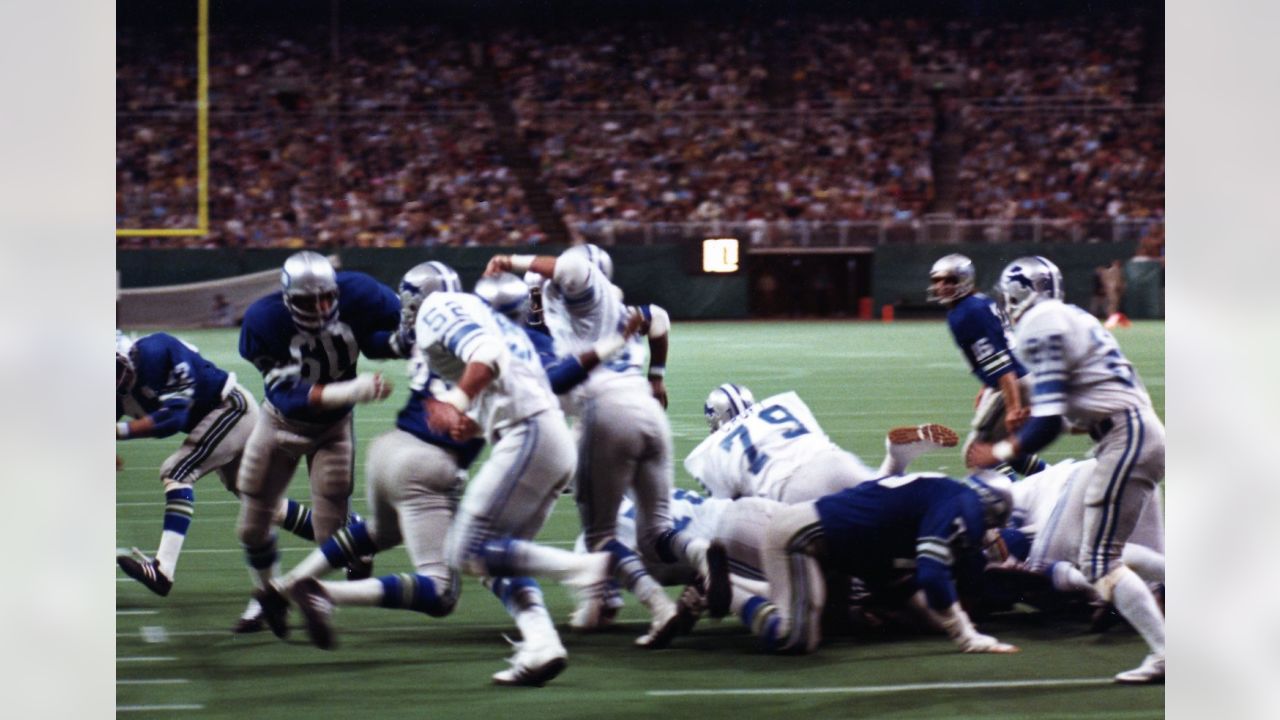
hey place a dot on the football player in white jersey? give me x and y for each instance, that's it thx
(626, 439)
(499, 383)
(776, 449)
(1081, 376)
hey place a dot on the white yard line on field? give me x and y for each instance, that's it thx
(882, 689)
(157, 681)
(141, 658)
(156, 708)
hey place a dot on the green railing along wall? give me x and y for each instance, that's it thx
(649, 274)
(901, 272)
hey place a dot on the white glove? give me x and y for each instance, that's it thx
(962, 632)
(979, 643)
(363, 389)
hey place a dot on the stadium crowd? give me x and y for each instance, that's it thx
(385, 136)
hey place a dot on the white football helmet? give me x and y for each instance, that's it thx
(725, 403)
(506, 294)
(125, 372)
(950, 279)
(310, 286)
(596, 256)
(420, 281)
(996, 492)
(1025, 282)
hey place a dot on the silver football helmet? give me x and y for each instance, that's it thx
(310, 286)
(596, 256)
(125, 372)
(1025, 282)
(950, 279)
(420, 281)
(726, 403)
(506, 294)
(996, 492)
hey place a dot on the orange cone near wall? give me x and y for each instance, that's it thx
(886, 313)
(1117, 320)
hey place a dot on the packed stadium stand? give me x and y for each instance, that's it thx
(408, 129)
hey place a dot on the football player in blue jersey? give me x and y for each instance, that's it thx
(415, 478)
(982, 333)
(862, 532)
(1083, 379)
(305, 341)
(169, 388)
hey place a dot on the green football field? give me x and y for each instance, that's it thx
(177, 658)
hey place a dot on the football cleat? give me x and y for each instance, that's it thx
(317, 610)
(275, 610)
(360, 569)
(250, 621)
(939, 436)
(719, 591)
(533, 665)
(146, 571)
(1150, 672)
(663, 627)
(591, 586)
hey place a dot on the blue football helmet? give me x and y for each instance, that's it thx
(420, 281)
(310, 286)
(950, 279)
(1027, 281)
(725, 403)
(506, 294)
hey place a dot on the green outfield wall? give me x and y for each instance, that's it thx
(663, 274)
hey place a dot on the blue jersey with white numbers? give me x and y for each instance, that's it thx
(292, 360)
(982, 333)
(937, 522)
(174, 384)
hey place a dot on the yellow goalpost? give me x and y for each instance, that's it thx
(202, 139)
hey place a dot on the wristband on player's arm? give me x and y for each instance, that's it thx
(657, 372)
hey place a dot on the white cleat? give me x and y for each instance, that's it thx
(1150, 672)
(664, 626)
(591, 586)
(533, 665)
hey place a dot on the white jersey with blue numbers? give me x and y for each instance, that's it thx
(453, 327)
(579, 316)
(1078, 369)
(757, 452)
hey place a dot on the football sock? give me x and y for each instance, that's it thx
(179, 507)
(509, 556)
(522, 597)
(675, 546)
(1148, 563)
(762, 617)
(629, 571)
(263, 562)
(407, 591)
(1135, 603)
(296, 518)
(338, 551)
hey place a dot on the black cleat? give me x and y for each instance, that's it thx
(275, 610)
(317, 609)
(719, 591)
(361, 568)
(146, 571)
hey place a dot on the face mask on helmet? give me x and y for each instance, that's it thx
(534, 281)
(506, 294)
(1026, 281)
(950, 279)
(125, 374)
(422, 280)
(725, 403)
(310, 287)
